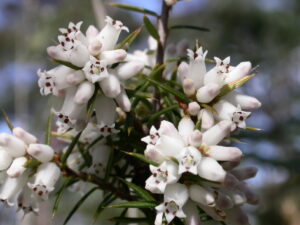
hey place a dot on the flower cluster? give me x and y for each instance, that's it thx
(193, 169)
(92, 61)
(204, 86)
(22, 186)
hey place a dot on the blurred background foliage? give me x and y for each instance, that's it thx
(266, 32)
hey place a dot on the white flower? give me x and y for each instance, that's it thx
(5, 159)
(210, 169)
(207, 93)
(221, 153)
(12, 145)
(217, 133)
(95, 70)
(41, 152)
(245, 101)
(239, 118)
(166, 173)
(28, 202)
(207, 119)
(11, 188)
(175, 197)
(17, 168)
(100, 154)
(189, 159)
(45, 179)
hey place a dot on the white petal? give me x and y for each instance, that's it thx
(238, 72)
(217, 133)
(207, 93)
(5, 160)
(12, 145)
(17, 168)
(207, 119)
(111, 86)
(105, 110)
(210, 169)
(245, 101)
(123, 101)
(186, 127)
(129, 69)
(221, 153)
(113, 56)
(202, 195)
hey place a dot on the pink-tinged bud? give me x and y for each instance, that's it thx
(24, 135)
(188, 87)
(196, 138)
(207, 93)
(245, 173)
(84, 92)
(123, 101)
(194, 108)
(207, 119)
(56, 53)
(5, 159)
(210, 169)
(202, 195)
(76, 77)
(186, 127)
(17, 168)
(111, 86)
(239, 72)
(183, 71)
(230, 181)
(12, 145)
(43, 153)
(113, 56)
(221, 153)
(246, 102)
(152, 154)
(95, 47)
(217, 133)
(230, 165)
(252, 198)
(129, 69)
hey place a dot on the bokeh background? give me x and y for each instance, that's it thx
(266, 32)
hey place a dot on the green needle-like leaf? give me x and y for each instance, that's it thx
(162, 112)
(134, 8)
(126, 43)
(78, 204)
(107, 200)
(151, 28)
(134, 204)
(7, 121)
(48, 129)
(189, 27)
(140, 191)
(67, 64)
(70, 148)
(141, 157)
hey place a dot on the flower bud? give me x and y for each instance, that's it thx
(252, 198)
(56, 53)
(193, 108)
(17, 168)
(186, 127)
(84, 92)
(196, 138)
(152, 154)
(207, 93)
(171, 2)
(12, 145)
(210, 169)
(246, 102)
(129, 69)
(5, 159)
(217, 133)
(224, 201)
(123, 101)
(183, 71)
(111, 86)
(24, 135)
(188, 87)
(41, 152)
(207, 119)
(202, 195)
(244, 173)
(221, 153)
(95, 47)
(238, 72)
(113, 56)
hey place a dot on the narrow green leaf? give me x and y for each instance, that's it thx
(32, 163)
(134, 204)
(140, 191)
(162, 112)
(59, 194)
(233, 85)
(128, 220)
(126, 43)
(191, 27)
(134, 8)
(91, 102)
(107, 200)
(85, 155)
(209, 108)
(67, 64)
(64, 136)
(253, 129)
(109, 164)
(168, 89)
(78, 204)
(151, 28)
(48, 129)
(7, 121)
(141, 157)
(70, 148)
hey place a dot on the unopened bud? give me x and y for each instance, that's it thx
(193, 108)
(189, 87)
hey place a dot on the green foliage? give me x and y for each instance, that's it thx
(134, 204)
(134, 9)
(151, 28)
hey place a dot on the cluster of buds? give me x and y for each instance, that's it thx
(23, 186)
(93, 62)
(203, 87)
(193, 168)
